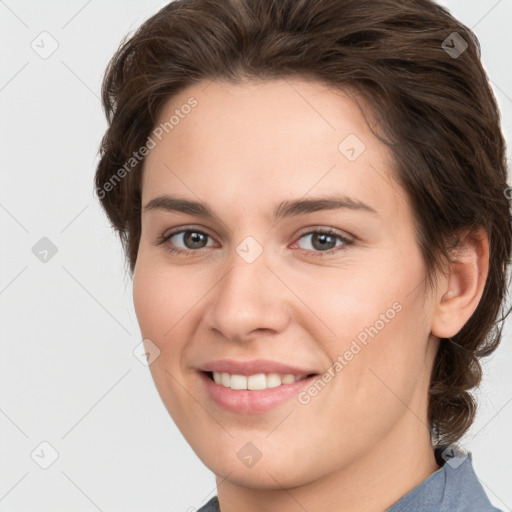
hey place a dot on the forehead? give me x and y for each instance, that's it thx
(265, 140)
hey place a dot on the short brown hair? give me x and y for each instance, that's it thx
(435, 110)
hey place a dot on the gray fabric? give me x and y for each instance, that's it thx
(452, 488)
(211, 506)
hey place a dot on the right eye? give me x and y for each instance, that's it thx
(193, 240)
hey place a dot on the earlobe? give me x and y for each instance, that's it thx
(461, 289)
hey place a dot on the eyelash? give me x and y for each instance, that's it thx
(346, 242)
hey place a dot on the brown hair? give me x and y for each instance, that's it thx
(425, 85)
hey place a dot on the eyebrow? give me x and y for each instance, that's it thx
(284, 209)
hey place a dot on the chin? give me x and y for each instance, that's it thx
(272, 471)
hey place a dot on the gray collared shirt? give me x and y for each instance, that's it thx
(454, 487)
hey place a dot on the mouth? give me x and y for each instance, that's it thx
(255, 382)
(253, 394)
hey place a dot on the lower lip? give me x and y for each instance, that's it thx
(248, 401)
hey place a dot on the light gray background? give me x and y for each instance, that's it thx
(68, 374)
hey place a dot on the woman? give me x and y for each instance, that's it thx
(312, 198)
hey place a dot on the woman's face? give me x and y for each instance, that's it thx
(304, 282)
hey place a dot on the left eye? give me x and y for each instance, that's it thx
(324, 241)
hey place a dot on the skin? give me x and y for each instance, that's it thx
(362, 442)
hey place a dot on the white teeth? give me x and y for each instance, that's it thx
(258, 381)
(254, 382)
(288, 379)
(238, 382)
(273, 380)
(225, 379)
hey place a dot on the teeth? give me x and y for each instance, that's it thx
(288, 379)
(273, 380)
(225, 379)
(238, 382)
(254, 382)
(258, 381)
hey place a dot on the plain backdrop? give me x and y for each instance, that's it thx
(69, 378)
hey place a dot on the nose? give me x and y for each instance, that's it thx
(249, 299)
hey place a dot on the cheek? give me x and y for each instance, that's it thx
(162, 297)
(162, 300)
(381, 326)
(150, 302)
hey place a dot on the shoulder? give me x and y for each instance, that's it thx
(463, 489)
(452, 488)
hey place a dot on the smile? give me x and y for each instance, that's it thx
(255, 382)
(252, 394)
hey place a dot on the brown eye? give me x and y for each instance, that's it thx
(324, 241)
(191, 240)
(194, 239)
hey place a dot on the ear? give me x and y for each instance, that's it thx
(462, 287)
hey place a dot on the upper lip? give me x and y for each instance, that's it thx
(253, 367)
